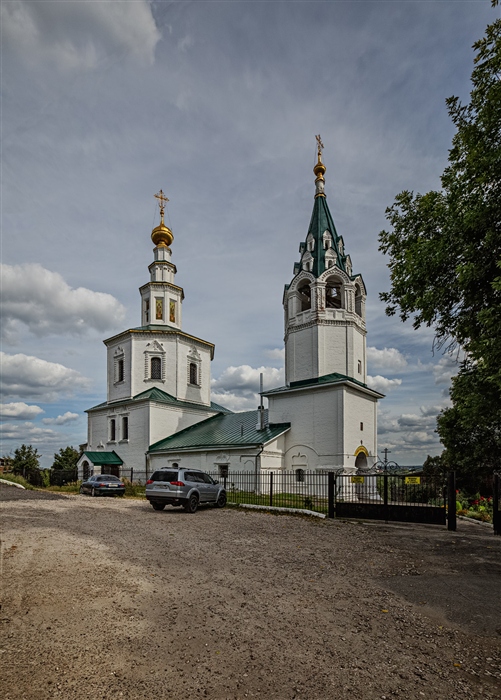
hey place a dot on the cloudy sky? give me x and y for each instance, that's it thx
(216, 102)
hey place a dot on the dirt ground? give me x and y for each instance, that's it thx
(106, 598)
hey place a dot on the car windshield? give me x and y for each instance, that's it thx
(108, 477)
(165, 476)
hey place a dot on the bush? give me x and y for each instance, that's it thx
(17, 479)
(133, 489)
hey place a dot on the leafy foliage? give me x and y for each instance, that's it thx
(471, 429)
(26, 461)
(445, 267)
(445, 247)
(66, 458)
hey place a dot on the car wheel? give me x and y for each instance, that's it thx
(221, 501)
(191, 504)
(158, 506)
(93, 492)
(81, 490)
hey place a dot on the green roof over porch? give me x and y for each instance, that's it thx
(101, 458)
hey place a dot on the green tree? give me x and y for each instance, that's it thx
(445, 266)
(26, 461)
(445, 247)
(471, 429)
(66, 458)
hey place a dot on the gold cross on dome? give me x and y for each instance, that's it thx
(162, 201)
(320, 145)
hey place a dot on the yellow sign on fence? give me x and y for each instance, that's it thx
(357, 479)
(412, 479)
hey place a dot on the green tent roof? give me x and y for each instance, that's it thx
(228, 430)
(333, 378)
(156, 394)
(321, 221)
(100, 458)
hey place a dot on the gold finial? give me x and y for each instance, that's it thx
(319, 169)
(162, 202)
(162, 235)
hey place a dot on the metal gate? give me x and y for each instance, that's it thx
(391, 497)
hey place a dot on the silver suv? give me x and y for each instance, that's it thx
(183, 487)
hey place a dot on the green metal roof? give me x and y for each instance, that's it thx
(333, 378)
(321, 221)
(228, 430)
(100, 458)
(156, 394)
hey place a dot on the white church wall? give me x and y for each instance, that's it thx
(198, 354)
(316, 418)
(360, 425)
(121, 349)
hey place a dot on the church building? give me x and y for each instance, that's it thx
(158, 411)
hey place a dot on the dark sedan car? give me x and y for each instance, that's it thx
(103, 485)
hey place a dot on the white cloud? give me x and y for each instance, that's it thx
(19, 411)
(42, 301)
(28, 433)
(238, 387)
(382, 384)
(25, 375)
(276, 354)
(445, 368)
(67, 417)
(74, 35)
(388, 358)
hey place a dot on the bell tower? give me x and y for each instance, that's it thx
(161, 299)
(324, 305)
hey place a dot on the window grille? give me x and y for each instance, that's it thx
(156, 368)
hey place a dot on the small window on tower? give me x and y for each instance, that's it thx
(156, 368)
(193, 373)
(159, 306)
(360, 367)
(361, 426)
(120, 370)
(113, 430)
(305, 296)
(147, 310)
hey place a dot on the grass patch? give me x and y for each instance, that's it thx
(16, 479)
(280, 500)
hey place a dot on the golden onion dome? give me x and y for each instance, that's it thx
(319, 168)
(161, 234)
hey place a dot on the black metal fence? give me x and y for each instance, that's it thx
(389, 497)
(300, 489)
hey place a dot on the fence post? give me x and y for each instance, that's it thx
(271, 489)
(131, 474)
(451, 502)
(330, 494)
(496, 515)
(385, 496)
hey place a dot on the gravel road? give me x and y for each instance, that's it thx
(106, 598)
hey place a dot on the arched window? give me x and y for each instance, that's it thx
(193, 373)
(300, 475)
(305, 296)
(358, 300)
(333, 294)
(156, 368)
